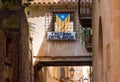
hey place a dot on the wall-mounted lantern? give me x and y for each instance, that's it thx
(85, 79)
(72, 72)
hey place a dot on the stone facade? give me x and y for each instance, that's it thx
(26, 56)
(56, 50)
(46, 49)
(15, 53)
(2, 53)
(106, 41)
(9, 55)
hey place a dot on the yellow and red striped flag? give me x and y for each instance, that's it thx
(62, 22)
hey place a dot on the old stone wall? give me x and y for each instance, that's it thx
(9, 55)
(2, 53)
(26, 56)
(12, 56)
(15, 54)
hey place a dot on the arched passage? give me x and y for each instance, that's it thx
(52, 71)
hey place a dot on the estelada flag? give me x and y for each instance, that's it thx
(62, 22)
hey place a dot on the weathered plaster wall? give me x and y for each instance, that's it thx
(53, 48)
(106, 33)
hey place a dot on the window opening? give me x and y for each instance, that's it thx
(67, 73)
(63, 22)
(60, 26)
(60, 21)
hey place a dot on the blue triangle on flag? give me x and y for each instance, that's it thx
(62, 16)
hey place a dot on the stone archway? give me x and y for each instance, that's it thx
(41, 75)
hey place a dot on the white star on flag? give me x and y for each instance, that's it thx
(62, 16)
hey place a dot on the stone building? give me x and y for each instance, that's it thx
(15, 53)
(106, 40)
(15, 56)
(56, 42)
(15, 49)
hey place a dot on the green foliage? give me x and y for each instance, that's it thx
(82, 35)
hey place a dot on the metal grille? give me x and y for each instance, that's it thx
(50, 20)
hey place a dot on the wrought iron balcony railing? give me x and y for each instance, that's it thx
(85, 12)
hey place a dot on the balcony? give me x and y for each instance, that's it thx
(86, 21)
(88, 43)
(85, 12)
(88, 39)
